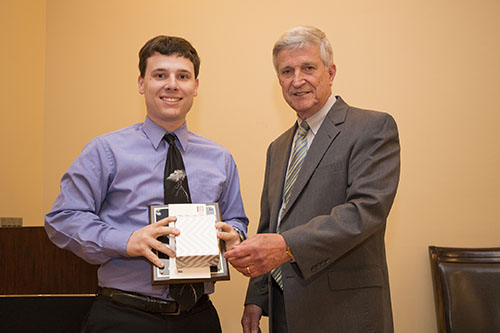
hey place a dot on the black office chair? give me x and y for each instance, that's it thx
(466, 289)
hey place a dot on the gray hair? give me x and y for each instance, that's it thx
(301, 37)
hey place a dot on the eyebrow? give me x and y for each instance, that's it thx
(161, 69)
(309, 64)
(301, 65)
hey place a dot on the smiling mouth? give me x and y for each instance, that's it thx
(301, 93)
(170, 99)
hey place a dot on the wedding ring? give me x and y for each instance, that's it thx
(248, 270)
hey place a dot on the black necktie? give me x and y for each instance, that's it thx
(176, 190)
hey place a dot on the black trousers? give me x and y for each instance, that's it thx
(277, 321)
(107, 316)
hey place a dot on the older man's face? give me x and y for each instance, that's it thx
(305, 81)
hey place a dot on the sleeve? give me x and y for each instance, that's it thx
(373, 167)
(231, 203)
(257, 292)
(74, 223)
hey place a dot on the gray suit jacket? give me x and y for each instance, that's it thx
(334, 223)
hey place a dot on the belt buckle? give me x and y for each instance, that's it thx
(176, 313)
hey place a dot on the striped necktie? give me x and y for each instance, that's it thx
(298, 155)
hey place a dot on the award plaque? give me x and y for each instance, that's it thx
(199, 253)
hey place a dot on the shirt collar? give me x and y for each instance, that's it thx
(182, 136)
(155, 133)
(316, 119)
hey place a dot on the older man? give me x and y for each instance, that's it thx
(318, 262)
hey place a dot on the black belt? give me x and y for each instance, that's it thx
(145, 303)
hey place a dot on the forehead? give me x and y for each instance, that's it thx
(171, 62)
(298, 56)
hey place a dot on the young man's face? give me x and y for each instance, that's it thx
(304, 79)
(169, 88)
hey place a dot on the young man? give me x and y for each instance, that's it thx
(101, 213)
(329, 185)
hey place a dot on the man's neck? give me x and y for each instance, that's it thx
(169, 126)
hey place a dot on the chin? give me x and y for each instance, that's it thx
(302, 109)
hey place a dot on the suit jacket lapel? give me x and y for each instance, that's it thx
(327, 132)
(278, 166)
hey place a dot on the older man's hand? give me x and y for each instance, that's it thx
(258, 254)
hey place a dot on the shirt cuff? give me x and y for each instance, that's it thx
(116, 241)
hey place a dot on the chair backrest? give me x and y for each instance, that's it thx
(466, 288)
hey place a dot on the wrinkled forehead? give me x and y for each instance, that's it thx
(299, 54)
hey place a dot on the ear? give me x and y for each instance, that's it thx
(197, 82)
(140, 83)
(331, 73)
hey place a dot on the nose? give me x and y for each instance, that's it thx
(171, 83)
(298, 78)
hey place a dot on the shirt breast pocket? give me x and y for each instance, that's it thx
(206, 191)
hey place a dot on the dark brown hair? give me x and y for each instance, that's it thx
(168, 45)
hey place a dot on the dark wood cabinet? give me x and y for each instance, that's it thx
(42, 288)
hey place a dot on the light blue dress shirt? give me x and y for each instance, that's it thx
(106, 192)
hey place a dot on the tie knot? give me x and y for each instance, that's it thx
(170, 138)
(304, 127)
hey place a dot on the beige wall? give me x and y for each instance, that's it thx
(432, 64)
(22, 58)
